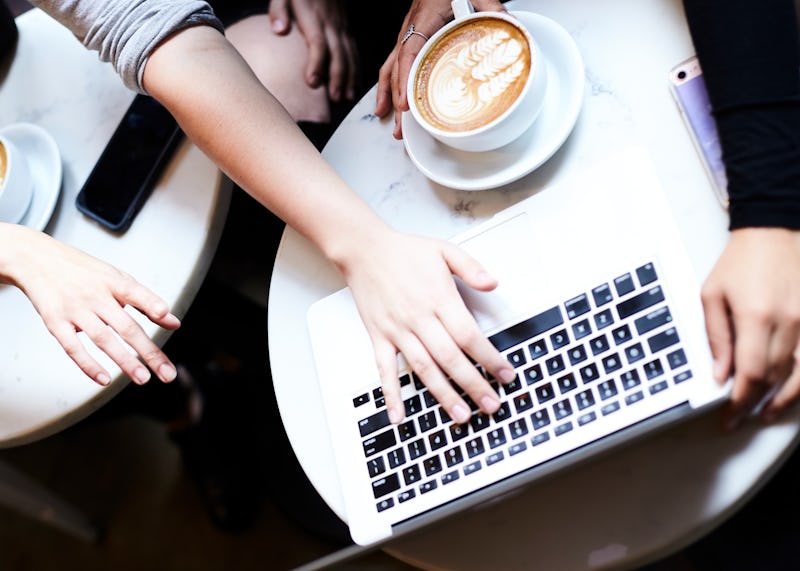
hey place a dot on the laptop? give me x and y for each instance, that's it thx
(597, 308)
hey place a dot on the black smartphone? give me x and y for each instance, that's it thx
(689, 91)
(130, 165)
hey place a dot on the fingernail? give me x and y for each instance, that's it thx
(167, 373)
(278, 25)
(507, 375)
(103, 379)
(460, 413)
(717, 371)
(490, 404)
(395, 416)
(142, 375)
(313, 81)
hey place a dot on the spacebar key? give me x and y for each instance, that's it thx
(524, 330)
(372, 423)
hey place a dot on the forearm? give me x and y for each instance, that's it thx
(749, 53)
(237, 123)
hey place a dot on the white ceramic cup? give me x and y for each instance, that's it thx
(462, 88)
(16, 184)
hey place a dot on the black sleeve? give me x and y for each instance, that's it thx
(748, 50)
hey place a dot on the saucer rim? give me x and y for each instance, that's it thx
(571, 78)
(49, 178)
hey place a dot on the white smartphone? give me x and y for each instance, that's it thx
(689, 91)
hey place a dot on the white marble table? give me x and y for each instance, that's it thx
(56, 83)
(627, 508)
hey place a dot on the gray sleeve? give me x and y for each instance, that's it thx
(125, 32)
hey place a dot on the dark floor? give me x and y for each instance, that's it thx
(124, 471)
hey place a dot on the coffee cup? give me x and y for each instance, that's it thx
(479, 82)
(16, 184)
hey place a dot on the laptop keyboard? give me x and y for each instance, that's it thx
(585, 359)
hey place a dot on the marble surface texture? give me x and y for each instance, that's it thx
(624, 509)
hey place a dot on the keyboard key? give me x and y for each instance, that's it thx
(584, 399)
(662, 340)
(634, 353)
(640, 302)
(377, 393)
(405, 379)
(681, 377)
(450, 477)
(517, 358)
(361, 399)
(559, 339)
(537, 439)
(603, 319)
(544, 393)
(386, 485)
(427, 421)
(406, 430)
(634, 397)
(517, 448)
(432, 465)
(513, 386)
(518, 428)
(540, 419)
(537, 349)
(676, 359)
(379, 443)
(658, 387)
(630, 379)
(406, 495)
(501, 413)
(566, 383)
(577, 306)
(474, 447)
(599, 344)
(472, 467)
(437, 440)
(646, 274)
(418, 384)
(496, 437)
(562, 409)
(416, 449)
(453, 456)
(589, 373)
(429, 399)
(602, 295)
(376, 466)
(527, 329)
(411, 475)
(609, 408)
(581, 329)
(653, 320)
(385, 504)
(653, 369)
(373, 423)
(523, 402)
(555, 365)
(427, 487)
(576, 354)
(458, 431)
(585, 419)
(443, 416)
(494, 458)
(479, 421)
(624, 284)
(396, 458)
(413, 405)
(563, 428)
(611, 363)
(607, 389)
(622, 334)
(533, 374)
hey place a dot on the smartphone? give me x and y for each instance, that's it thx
(124, 175)
(689, 91)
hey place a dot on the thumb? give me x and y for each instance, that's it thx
(279, 16)
(468, 268)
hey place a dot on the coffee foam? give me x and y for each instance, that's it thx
(473, 75)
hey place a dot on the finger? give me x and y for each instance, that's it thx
(351, 58)
(786, 396)
(104, 338)
(280, 17)
(432, 377)
(750, 368)
(397, 132)
(132, 333)
(311, 29)
(337, 64)
(383, 100)
(130, 292)
(386, 356)
(719, 329)
(780, 357)
(405, 58)
(68, 339)
(470, 270)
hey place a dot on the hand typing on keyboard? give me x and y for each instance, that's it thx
(406, 295)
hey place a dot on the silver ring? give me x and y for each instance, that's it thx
(410, 32)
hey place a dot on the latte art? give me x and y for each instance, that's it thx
(473, 75)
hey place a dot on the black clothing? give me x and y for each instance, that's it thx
(748, 50)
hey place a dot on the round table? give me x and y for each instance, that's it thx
(627, 508)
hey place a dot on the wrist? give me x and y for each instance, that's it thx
(15, 240)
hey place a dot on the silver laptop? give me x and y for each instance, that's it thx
(598, 309)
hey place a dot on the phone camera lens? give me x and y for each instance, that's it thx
(681, 75)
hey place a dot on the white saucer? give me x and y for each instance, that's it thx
(44, 160)
(478, 171)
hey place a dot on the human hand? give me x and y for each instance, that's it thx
(407, 297)
(752, 309)
(323, 24)
(427, 16)
(73, 291)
